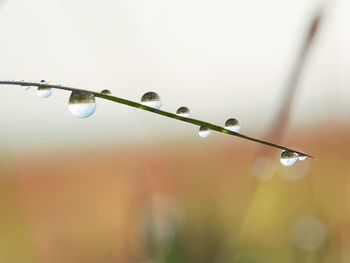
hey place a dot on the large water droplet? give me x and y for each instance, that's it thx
(106, 91)
(302, 157)
(233, 125)
(44, 92)
(204, 132)
(151, 99)
(288, 158)
(183, 112)
(82, 104)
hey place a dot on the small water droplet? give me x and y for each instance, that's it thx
(302, 157)
(24, 87)
(82, 104)
(233, 125)
(288, 158)
(106, 91)
(204, 132)
(151, 99)
(44, 92)
(183, 112)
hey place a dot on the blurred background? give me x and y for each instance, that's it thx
(129, 186)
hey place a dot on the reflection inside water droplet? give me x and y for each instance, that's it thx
(82, 104)
(183, 112)
(233, 125)
(151, 99)
(106, 91)
(204, 132)
(44, 92)
(288, 158)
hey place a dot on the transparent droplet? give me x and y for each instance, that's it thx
(308, 233)
(302, 157)
(204, 132)
(106, 91)
(82, 104)
(233, 125)
(25, 87)
(151, 99)
(288, 158)
(183, 112)
(44, 92)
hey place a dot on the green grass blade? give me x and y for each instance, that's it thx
(156, 111)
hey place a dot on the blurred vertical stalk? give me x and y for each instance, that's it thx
(266, 168)
(280, 122)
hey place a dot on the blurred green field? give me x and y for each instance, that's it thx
(184, 201)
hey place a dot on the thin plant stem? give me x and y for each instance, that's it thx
(281, 120)
(156, 111)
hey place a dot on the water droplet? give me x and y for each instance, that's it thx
(204, 132)
(106, 91)
(82, 104)
(44, 92)
(24, 87)
(183, 112)
(151, 99)
(288, 158)
(302, 157)
(233, 125)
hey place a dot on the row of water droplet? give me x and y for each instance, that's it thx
(82, 104)
(289, 158)
(152, 99)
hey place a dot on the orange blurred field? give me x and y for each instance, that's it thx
(176, 202)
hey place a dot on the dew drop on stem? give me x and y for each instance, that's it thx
(288, 158)
(82, 104)
(302, 157)
(183, 112)
(233, 125)
(25, 87)
(44, 92)
(204, 132)
(151, 99)
(106, 91)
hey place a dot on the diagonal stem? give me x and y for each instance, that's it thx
(156, 111)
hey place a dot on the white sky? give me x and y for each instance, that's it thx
(222, 59)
